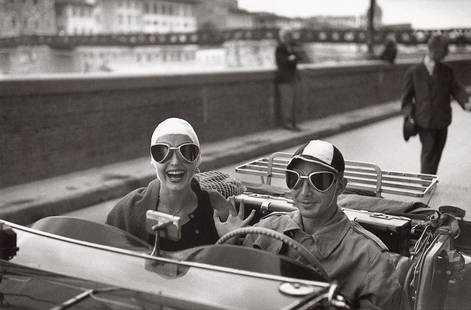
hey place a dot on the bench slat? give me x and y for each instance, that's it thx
(361, 175)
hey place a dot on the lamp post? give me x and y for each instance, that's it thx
(370, 29)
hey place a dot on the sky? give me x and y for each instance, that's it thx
(423, 14)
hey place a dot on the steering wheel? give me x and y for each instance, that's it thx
(298, 247)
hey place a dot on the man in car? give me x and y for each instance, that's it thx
(350, 255)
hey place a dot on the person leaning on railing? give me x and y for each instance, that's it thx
(286, 79)
(205, 214)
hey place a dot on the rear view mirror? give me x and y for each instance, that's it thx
(167, 226)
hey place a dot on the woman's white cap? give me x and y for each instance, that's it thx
(174, 126)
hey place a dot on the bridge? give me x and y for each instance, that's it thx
(459, 36)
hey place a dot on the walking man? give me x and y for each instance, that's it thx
(426, 100)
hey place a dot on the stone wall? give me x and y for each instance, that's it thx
(60, 124)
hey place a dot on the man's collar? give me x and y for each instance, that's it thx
(429, 64)
(327, 238)
(428, 60)
(330, 236)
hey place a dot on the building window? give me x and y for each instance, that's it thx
(146, 7)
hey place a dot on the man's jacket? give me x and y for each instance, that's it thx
(427, 97)
(286, 67)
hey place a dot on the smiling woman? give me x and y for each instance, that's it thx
(175, 156)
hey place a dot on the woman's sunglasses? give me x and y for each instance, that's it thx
(321, 181)
(161, 152)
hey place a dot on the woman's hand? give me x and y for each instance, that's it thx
(234, 220)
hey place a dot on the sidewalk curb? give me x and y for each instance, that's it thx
(223, 153)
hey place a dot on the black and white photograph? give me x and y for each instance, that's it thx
(235, 154)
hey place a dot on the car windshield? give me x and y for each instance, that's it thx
(123, 266)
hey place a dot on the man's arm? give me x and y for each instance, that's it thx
(281, 57)
(263, 242)
(284, 59)
(459, 93)
(382, 288)
(408, 93)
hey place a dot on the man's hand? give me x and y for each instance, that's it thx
(467, 106)
(234, 220)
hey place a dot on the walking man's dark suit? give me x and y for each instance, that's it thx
(426, 98)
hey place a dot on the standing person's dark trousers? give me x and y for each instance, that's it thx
(286, 85)
(433, 141)
(287, 104)
(427, 99)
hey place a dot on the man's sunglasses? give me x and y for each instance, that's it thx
(161, 152)
(322, 181)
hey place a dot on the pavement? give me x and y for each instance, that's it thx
(26, 203)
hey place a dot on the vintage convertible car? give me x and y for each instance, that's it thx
(63, 262)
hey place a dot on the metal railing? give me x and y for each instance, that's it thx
(360, 175)
(460, 36)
